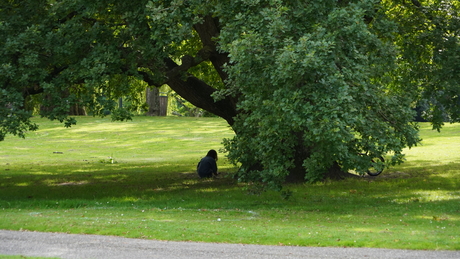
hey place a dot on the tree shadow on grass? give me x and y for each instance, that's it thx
(177, 185)
(123, 183)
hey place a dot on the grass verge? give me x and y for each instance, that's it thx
(63, 180)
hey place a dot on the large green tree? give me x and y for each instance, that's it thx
(307, 86)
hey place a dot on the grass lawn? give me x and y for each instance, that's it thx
(137, 179)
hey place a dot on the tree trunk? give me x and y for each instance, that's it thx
(298, 173)
(336, 173)
(77, 110)
(152, 96)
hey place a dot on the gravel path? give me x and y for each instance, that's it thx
(93, 246)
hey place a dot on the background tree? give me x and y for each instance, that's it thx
(428, 42)
(307, 86)
(152, 96)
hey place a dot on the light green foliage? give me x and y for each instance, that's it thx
(428, 40)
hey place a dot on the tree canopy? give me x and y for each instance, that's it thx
(307, 86)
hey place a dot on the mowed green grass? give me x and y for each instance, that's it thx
(152, 191)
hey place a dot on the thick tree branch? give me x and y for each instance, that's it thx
(146, 77)
(35, 89)
(208, 30)
(200, 94)
(188, 62)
